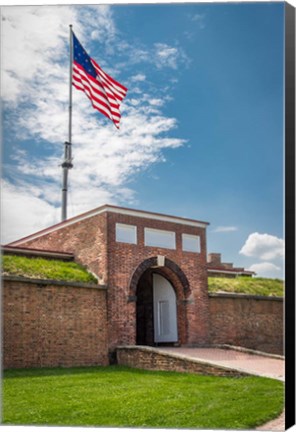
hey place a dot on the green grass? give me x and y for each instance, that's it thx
(123, 397)
(41, 268)
(247, 285)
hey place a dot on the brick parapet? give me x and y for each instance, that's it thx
(153, 359)
(254, 322)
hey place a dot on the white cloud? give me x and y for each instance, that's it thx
(31, 56)
(35, 81)
(22, 207)
(199, 19)
(28, 50)
(168, 56)
(263, 246)
(225, 229)
(138, 77)
(160, 55)
(267, 269)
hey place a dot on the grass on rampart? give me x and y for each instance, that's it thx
(123, 397)
(247, 285)
(41, 268)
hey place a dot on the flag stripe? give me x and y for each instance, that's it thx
(97, 103)
(97, 99)
(109, 78)
(97, 84)
(81, 75)
(100, 109)
(90, 83)
(104, 92)
(110, 82)
(116, 90)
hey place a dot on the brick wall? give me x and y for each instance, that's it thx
(46, 323)
(247, 321)
(152, 359)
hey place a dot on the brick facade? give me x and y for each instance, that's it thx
(51, 324)
(93, 242)
(126, 260)
(86, 239)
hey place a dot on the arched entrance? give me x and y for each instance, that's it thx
(161, 294)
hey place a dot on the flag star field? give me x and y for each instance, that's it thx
(196, 92)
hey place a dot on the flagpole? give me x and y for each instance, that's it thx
(67, 163)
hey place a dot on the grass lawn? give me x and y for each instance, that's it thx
(247, 285)
(120, 396)
(41, 268)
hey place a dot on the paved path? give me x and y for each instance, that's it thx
(277, 424)
(252, 363)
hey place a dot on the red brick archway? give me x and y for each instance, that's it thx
(140, 293)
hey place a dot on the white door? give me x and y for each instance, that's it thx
(165, 310)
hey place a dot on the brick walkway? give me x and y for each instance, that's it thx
(252, 363)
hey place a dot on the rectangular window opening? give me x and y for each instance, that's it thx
(158, 238)
(126, 233)
(191, 243)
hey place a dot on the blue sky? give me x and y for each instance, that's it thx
(202, 124)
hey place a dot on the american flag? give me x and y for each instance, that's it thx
(103, 91)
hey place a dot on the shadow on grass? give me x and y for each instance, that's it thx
(44, 372)
(63, 371)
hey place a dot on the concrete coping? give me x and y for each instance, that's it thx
(248, 351)
(245, 296)
(184, 357)
(39, 253)
(53, 282)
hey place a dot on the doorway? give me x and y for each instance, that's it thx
(156, 310)
(164, 310)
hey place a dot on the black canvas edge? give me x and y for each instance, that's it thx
(290, 215)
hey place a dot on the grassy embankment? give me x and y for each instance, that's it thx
(247, 285)
(41, 268)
